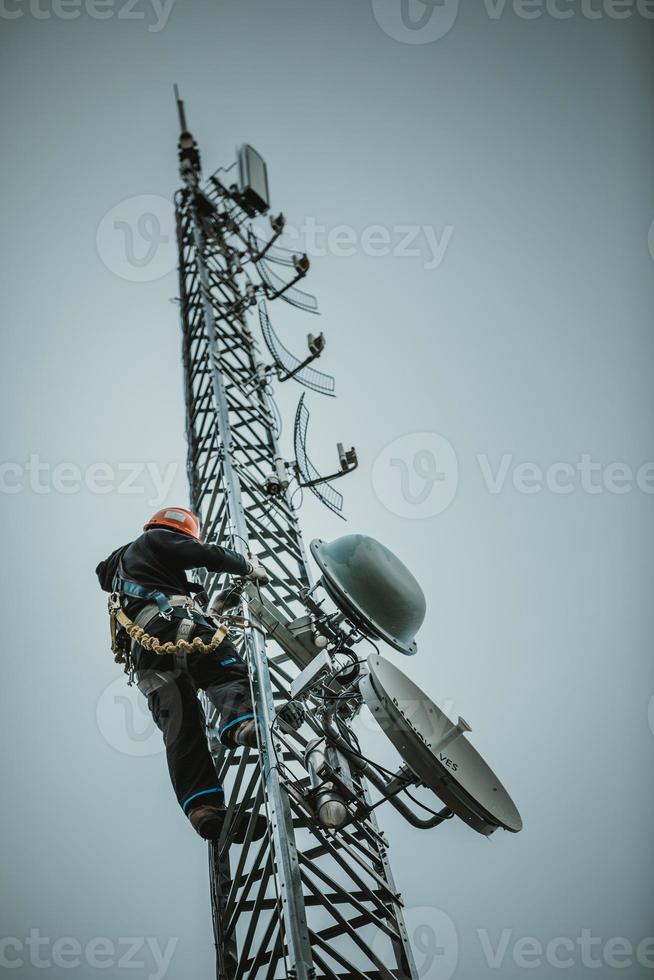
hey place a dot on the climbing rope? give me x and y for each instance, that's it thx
(136, 633)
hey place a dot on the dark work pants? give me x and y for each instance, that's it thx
(177, 711)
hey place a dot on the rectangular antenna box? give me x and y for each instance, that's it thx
(254, 195)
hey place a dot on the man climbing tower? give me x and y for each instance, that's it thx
(176, 647)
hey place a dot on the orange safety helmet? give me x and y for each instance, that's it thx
(177, 519)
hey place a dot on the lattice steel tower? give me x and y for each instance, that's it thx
(305, 901)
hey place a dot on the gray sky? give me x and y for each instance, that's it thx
(510, 156)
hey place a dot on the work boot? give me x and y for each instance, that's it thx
(290, 714)
(208, 822)
(246, 733)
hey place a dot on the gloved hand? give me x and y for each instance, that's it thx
(227, 599)
(292, 714)
(257, 573)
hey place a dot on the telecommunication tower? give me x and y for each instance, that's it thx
(315, 897)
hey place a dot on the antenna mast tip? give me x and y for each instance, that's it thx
(180, 109)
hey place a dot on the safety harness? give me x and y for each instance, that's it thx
(126, 632)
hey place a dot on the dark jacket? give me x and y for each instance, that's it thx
(159, 558)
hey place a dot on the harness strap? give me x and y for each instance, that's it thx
(168, 605)
(150, 612)
(184, 631)
(125, 585)
(146, 615)
(150, 680)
